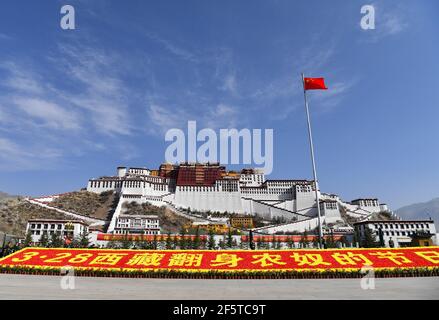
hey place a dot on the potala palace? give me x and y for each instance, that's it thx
(210, 187)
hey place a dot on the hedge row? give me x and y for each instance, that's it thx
(168, 274)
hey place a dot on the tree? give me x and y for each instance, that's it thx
(111, 244)
(84, 242)
(182, 238)
(273, 242)
(251, 243)
(304, 240)
(196, 242)
(28, 240)
(229, 239)
(278, 244)
(10, 248)
(75, 243)
(155, 242)
(168, 243)
(203, 243)
(144, 243)
(381, 237)
(315, 242)
(175, 242)
(211, 245)
(242, 245)
(222, 243)
(356, 238)
(234, 243)
(290, 243)
(126, 243)
(344, 241)
(44, 239)
(261, 244)
(55, 240)
(330, 241)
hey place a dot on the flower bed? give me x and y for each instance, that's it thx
(226, 264)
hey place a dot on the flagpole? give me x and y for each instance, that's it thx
(311, 146)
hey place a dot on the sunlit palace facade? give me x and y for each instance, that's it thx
(210, 187)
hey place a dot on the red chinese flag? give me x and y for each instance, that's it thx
(314, 84)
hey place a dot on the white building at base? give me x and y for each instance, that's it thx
(137, 224)
(64, 228)
(397, 233)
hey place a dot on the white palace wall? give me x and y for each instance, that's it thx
(299, 226)
(206, 199)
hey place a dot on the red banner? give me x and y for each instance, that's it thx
(244, 238)
(225, 260)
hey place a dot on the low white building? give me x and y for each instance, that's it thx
(137, 224)
(399, 232)
(64, 228)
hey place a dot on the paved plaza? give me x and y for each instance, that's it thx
(49, 287)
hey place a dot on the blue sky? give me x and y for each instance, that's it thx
(75, 104)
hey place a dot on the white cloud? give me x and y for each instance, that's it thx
(313, 57)
(108, 116)
(222, 116)
(37, 111)
(219, 116)
(224, 110)
(51, 114)
(105, 95)
(327, 100)
(172, 48)
(163, 119)
(9, 148)
(21, 79)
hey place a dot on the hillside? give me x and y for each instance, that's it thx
(169, 221)
(87, 203)
(15, 212)
(421, 210)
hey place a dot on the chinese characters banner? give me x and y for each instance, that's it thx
(225, 260)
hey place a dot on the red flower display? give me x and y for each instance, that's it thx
(225, 260)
